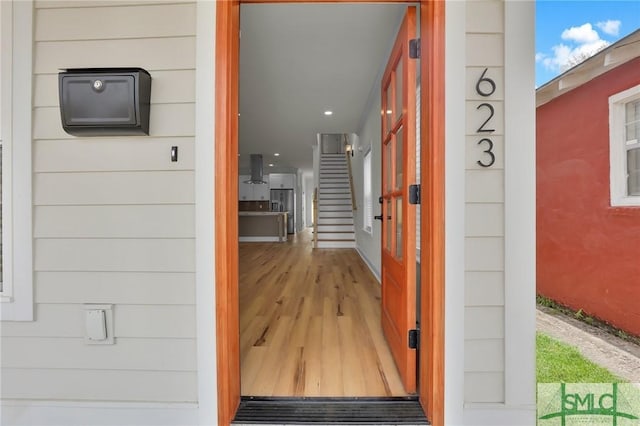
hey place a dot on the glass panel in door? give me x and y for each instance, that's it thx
(387, 222)
(398, 91)
(398, 226)
(388, 110)
(399, 157)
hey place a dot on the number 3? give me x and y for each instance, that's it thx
(487, 151)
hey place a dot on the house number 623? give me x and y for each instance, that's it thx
(486, 87)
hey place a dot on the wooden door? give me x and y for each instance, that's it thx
(398, 216)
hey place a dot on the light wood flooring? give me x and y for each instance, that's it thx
(310, 323)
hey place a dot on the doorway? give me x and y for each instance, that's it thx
(307, 316)
(227, 328)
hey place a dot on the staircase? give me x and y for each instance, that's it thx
(334, 209)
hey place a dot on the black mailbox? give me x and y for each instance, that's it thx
(105, 101)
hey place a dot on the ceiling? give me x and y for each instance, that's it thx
(297, 61)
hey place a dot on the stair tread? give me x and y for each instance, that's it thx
(335, 232)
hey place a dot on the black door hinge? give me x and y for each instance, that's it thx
(414, 194)
(413, 339)
(414, 48)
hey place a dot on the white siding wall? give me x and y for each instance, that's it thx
(484, 207)
(113, 217)
(499, 216)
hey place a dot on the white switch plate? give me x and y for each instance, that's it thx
(98, 320)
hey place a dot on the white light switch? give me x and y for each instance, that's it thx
(98, 321)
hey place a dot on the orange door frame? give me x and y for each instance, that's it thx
(431, 375)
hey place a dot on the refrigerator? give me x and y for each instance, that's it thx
(282, 200)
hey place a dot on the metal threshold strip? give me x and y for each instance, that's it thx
(330, 411)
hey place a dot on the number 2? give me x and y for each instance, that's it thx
(481, 129)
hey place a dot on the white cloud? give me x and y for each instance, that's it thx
(581, 43)
(610, 27)
(582, 34)
(540, 56)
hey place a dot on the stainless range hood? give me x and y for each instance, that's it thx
(256, 170)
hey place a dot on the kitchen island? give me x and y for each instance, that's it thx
(262, 226)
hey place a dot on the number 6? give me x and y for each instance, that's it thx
(484, 79)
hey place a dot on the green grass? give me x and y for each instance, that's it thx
(558, 362)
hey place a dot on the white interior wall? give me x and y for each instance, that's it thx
(308, 185)
(368, 138)
(299, 196)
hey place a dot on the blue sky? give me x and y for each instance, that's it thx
(569, 29)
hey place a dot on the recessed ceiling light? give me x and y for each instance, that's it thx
(270, 164)
(328, 112)
(277, 154)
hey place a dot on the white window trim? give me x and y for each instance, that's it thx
(617, 148)
(365, 222)
(17, 59)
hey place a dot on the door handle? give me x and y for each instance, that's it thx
(378, 218)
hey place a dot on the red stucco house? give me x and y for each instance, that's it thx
(588, 186)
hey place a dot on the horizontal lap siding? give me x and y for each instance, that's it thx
(484, 210)
(99, 385)
(104, 188)
(117, 255)
(113, 216)
(118, 221)
(154, 288)
(135, 322)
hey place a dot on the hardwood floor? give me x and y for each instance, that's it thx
(310, 323)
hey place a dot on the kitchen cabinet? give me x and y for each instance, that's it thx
(245, 192)
(252, 191)
(282, 181)
(261, 191)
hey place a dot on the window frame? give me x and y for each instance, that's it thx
(618, 149)
(16, 60)
(367, 199)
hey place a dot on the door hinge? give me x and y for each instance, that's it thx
(414, 48)
(414, 339)
(414, 194)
